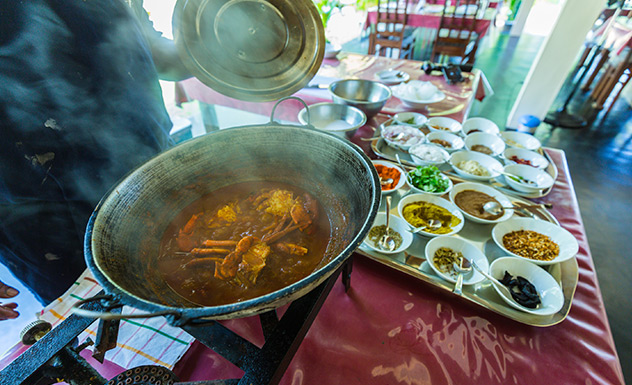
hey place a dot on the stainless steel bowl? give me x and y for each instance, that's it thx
(367, 95)
(338, 119)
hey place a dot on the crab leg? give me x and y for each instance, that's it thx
(197, 252)
(269, 238)
(201, 261)
(211, 243)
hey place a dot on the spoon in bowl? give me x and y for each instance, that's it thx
(385, 182)
(462, 268)
(433, 224)
(495, 208)
(520, 179)
(504, 289)
(387, 243)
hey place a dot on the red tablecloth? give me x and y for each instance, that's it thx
(456, 105)
(391, 328)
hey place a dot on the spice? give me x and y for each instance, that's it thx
(388, 173)
(521, 290)
(428, 153)
(473, 167)
(521, 161)
(418, 214)
(441, 128)
(444, 259)
(472, 202)
(442, 143)
(531, 244)
(377, 232)
(482, 148)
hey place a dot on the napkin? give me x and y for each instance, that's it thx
(145, 341)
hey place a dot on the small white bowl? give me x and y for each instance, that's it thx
(396, 223)
(469, 252)
(392, 77)
(456, 142)
(473, 125)
(443, 124)
(520, 140)
(411, 136)
(420, 191)
(492, 192)
(402, 175)
(567, 243)
(536, 160)
(421, 154)
(492, 165)
(551, 294)
(542, 178)
(491, 141)
(414, 119)
(451, 207)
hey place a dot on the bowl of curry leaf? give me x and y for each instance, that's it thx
(428, 180)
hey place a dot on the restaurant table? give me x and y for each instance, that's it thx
(392, 328)
(423, 18)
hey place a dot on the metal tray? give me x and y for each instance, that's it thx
(413, 262)
(383, 150)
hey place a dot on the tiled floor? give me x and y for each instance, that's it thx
(600, 162)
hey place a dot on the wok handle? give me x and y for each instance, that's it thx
(76, 309)
(286, 98)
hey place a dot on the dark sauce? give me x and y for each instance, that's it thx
(521, 290)
(199, 285)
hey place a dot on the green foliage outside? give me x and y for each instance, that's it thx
(327, 7)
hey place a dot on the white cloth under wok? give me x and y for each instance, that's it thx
(149, 341)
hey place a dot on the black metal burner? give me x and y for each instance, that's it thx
(145, 375)
(55, 354)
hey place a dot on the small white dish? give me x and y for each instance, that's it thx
(391, 77)
(550, 292)
(473, 125)
(451, 207)
(541, 178)
(513, 155)
(488, 190)
(428, 154)
(520, 140)
(443, 124)
(456, 142)
(568, 246)
(402, 137)
(396, 223)
(413, 119)
(418, 93)
(493, 142)
(462, 246)
(415, 189)
(402, 174)
(493, 166)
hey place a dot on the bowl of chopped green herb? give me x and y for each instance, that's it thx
(428, 180)
(408, 118)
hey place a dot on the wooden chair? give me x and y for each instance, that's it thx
(456, 35)
(615, 77)
(389, 36)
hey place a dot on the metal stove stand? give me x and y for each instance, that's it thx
(55, 356)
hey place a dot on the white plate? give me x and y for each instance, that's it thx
(468, 250)
(551, 295)
(390, 77)
(491, 164)
(419, 103)
(520, 140)
(565, 240)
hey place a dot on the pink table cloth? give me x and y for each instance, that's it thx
(391, 328)
(456, 105)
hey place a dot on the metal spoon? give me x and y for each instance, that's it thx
(387, 243)
(462, 268)
(495, 208)
(519, 179)
(385, 182)
(433, 224)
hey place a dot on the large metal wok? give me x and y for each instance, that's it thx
(124, 233)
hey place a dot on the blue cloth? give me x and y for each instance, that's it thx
(80, 107)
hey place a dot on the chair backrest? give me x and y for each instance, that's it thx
(456, 35)
(387, 36)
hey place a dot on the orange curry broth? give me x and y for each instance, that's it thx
(199, 285)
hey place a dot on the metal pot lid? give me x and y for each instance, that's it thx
(252, 50)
